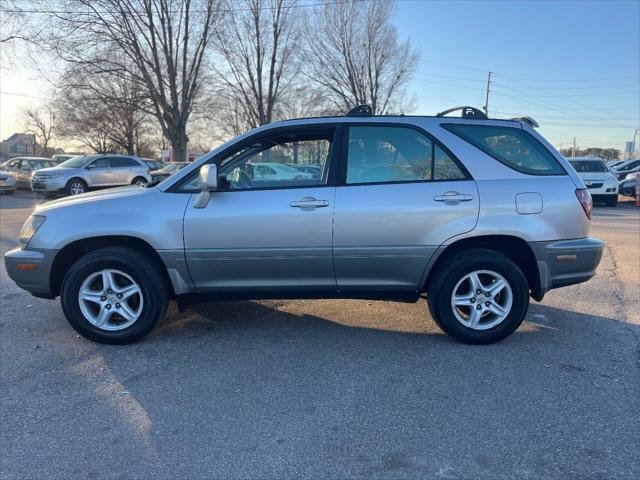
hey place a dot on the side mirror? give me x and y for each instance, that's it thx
(209, 178)
(91, 166)
(208, 184)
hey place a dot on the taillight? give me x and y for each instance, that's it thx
(585, 200)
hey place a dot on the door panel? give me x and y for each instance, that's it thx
(384, 235)
(100, 173)
(257, 240)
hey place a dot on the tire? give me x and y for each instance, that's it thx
(150, 301)
(612, 201)
(139, 181)
(447, 280)
(76, 186)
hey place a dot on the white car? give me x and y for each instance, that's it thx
(278, 171)
(597, 177)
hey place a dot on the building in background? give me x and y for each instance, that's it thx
(18, 145)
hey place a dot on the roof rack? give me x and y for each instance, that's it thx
(527, 120)
(466, 112)
(360, 111)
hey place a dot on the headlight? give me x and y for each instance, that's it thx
(54, 175)
(29, 229)
(631, 176)
(611, 181)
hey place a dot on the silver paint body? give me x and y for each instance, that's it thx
(380, 237)
(56, 178)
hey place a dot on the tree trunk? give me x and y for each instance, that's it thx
(179, 143)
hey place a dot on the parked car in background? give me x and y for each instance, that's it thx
(614, 163)
(59, 158)
(625, 168)
(167, 170)
(263, 171)
(23, 167)
(602, 184)
(480, 214)
(629, 185)
(314, 170)
(8, 182)
(80, 174)
(153, 164)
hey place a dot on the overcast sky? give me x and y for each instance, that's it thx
(574, 66)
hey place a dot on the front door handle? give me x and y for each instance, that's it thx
(451, 197)
(309, 203)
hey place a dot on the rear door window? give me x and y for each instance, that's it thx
(385, 154)
(514, 147)
(122, 162)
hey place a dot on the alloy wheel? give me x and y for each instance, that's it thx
(110, 300)
(482, 299)
(76, 188)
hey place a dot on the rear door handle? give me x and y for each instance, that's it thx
(309, 203)
(453, 197)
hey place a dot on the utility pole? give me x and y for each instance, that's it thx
(486, 99)
(573, 149)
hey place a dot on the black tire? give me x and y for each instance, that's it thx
(142, 269)
(139, 181)
(10, 192)
(76, 183)
(444, 281)
(612, 201)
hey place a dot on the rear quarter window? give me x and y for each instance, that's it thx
(513, 147)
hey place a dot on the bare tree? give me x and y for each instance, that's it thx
(160, 44)
(40, 122)
(353, 52)
(256, 44)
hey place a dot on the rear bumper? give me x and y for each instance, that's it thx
(565, 262)
(37, 278)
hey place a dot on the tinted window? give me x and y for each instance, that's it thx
(588, 165)
(513, 147)
(121, 162)
(396, 154)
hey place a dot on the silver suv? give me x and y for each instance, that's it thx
(79, 174)
(478, 214)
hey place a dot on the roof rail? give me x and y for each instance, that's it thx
(360, 111)
(466, 112)
(527, 120)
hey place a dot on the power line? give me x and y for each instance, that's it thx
(22, 95)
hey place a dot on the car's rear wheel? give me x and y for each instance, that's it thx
(114, 295)
(76, 186)
(479, 297)
(139, 181)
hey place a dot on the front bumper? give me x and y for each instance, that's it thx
(8, 185)
(565, 262)
(54, 184)
(31, 270)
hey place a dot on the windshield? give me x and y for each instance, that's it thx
(589, 166)
(75, 162)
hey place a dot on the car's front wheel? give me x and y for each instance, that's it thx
(114, 295)
(76, 186)
(479, 297)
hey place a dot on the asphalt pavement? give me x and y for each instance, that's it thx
(329, 389)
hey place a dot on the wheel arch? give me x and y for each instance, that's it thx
(513, 247)
(74, 250)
